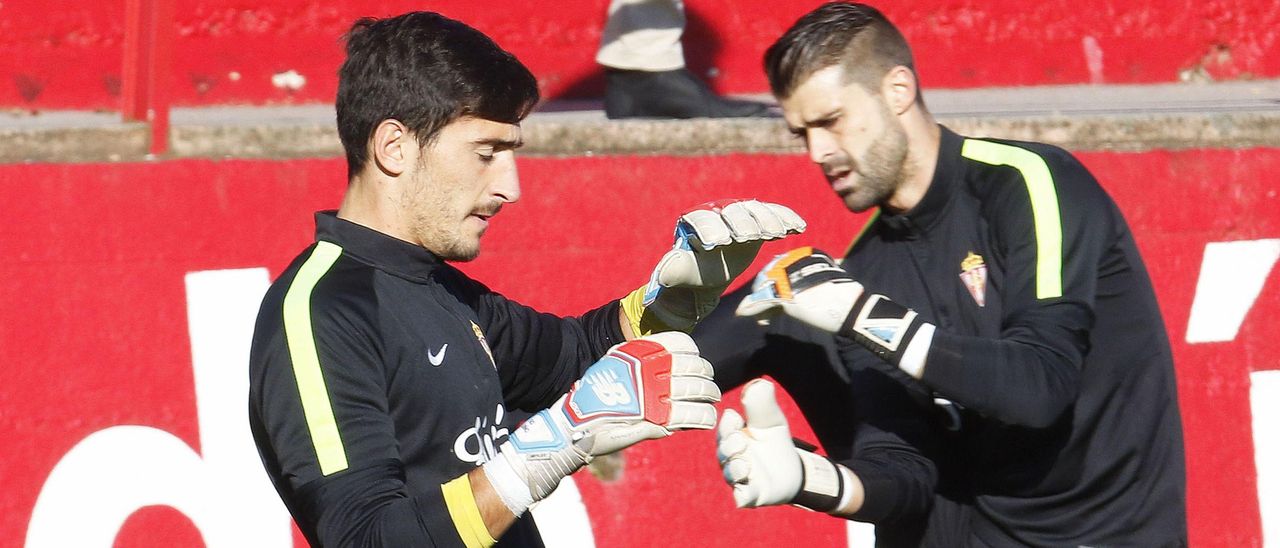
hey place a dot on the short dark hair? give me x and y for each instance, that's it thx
(425, 70)
(856, 36)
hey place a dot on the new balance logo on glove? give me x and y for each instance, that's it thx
(605, 385)
(613, 391)
(640, 390)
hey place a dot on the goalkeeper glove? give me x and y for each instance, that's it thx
(714, 243)
(641, 389)
(809, 286)
(763, 465)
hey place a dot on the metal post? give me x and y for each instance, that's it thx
(147, 65)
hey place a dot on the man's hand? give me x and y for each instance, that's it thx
(641, 389)
(763, 465)
(806, 284)
(757, 456)
(714, 243)
(809, 286)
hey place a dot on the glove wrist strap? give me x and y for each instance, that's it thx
(513, 490)
(542, 452)
(822, 486)
(882, 326)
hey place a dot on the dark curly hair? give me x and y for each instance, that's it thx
(425, 70)
(855, 36)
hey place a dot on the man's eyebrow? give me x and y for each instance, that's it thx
(500, 144)
(815, 121)
(822, 119)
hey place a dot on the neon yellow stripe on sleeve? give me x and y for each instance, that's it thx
(466, 515)
(1044, 207)
(306, 363)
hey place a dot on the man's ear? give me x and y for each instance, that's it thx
(900, 89)
(394, 148)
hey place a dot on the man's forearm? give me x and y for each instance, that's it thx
(497, 518)
(854, 493)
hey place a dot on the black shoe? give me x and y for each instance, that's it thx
(669, 94)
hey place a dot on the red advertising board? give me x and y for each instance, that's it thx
(287, 51)
(129, 291)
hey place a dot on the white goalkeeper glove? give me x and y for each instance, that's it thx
(714, 243)
(642, 389)
(809, 286)
(763, 465)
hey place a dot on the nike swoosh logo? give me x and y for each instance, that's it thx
(437, 358)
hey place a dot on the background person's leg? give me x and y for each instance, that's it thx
(645, 73)
(643, 35)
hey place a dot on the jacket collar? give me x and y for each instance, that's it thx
(914, 222)
(381, 251)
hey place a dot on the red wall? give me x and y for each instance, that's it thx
(70, 58)
(93, 331)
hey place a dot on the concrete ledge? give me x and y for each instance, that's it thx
(1098, 132)
(548, 135)
(70, 137)
(254, 132)
(1127, 118)
(1132, 132)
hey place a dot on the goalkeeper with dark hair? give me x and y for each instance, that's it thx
(382, 379)
(987, 365)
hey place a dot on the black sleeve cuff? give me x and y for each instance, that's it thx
(887, 497)
(603, 328)
(370, 506)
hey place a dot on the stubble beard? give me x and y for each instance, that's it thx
(434, 226)
(458, 251)
(444, 238)
(881, 171)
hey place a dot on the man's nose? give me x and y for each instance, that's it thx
(821, 145)
(507, 185)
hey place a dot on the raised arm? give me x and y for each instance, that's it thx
(1051, 237)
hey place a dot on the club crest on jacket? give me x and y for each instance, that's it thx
(973, 272)
(483, 344)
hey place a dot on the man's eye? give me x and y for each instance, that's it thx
(486, 158)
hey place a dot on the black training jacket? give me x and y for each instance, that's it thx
(379, 373)
(1066, 428)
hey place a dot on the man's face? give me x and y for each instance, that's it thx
(851, 134)
(460, 181)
